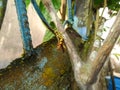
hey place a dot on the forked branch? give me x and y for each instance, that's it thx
(74, 57)
(76, 61)
(105, 50)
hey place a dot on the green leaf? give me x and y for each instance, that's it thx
(114, 4)
(48, 36)
(27, 2)
(56, 4)
(111, 4)
(45, 12)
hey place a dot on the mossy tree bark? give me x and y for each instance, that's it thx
(85, 72)
(51, 68)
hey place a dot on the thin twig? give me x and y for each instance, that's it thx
(63, 9)
(105, 50)
(105, 4)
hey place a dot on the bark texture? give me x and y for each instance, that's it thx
(105, 50)
(50, 69)
(85, 72)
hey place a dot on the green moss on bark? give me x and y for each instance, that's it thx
(50, 69)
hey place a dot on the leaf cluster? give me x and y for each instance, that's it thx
(111, 4)
(114, 4)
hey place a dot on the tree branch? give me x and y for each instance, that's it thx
(83, 73)
(63, 9)
(105, 50)
(74, 57)
(105, 4)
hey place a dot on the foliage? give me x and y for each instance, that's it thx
(48, 36)
(48, 71)
(45, 12)
(114, 4)
(98, 3)
(27, 2)
(56, 4)
(111, 4)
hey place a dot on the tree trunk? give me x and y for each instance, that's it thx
(50, 69)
